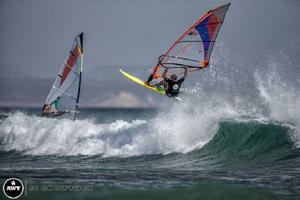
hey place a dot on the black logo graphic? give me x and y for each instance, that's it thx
(13, 188)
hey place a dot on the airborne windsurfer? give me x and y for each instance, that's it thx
(192, 50)
(172, 84)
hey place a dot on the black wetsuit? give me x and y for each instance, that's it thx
(173, 87)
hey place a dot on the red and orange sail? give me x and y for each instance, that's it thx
(193, 48)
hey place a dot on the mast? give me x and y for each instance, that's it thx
(80, 74)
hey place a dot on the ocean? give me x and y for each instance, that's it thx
(176, 152)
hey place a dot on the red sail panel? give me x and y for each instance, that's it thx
(74, 54)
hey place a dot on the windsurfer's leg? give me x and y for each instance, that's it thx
(171, 94)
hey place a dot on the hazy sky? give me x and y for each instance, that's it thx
(36, 35)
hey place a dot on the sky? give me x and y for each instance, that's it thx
(36, 36)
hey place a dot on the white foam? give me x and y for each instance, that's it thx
(41, 136)
(180, 127)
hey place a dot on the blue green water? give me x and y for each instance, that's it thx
(133, 154)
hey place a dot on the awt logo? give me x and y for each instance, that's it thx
(13, 188)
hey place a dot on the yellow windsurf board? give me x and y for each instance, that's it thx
(142, 83)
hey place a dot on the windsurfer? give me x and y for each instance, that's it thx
(65, 91)
(48, 111)
(172, 84)
(192, 49)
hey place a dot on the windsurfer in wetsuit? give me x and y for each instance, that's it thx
(172, 84)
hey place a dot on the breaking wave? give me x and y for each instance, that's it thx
(41, 136)
(225, 103)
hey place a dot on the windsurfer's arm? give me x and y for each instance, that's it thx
(164, 75)
(185, 72)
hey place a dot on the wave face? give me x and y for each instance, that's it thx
(231, 140)
(252, 143)
(240, 151)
